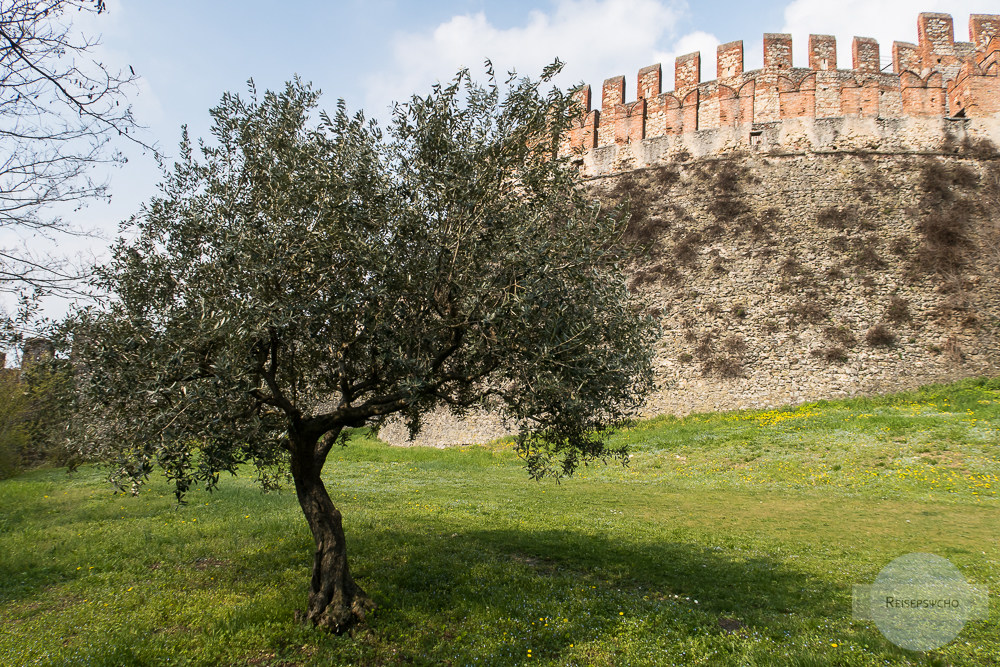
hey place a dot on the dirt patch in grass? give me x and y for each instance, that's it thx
(730, 626)
(207, 562)
(948, 459)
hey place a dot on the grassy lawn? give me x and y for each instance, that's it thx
(731, 538)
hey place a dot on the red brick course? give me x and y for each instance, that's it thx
(935, 77)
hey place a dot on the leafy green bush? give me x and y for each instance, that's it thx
(48, 388)
(13, 435)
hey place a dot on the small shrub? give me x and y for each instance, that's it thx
(831, 354)
(725, 174)
(835, 355)
(956, 302)
(686, 249)
(980, 148)
(666, 176)
(713, 232)
(758, 226)
(935, 182)
(863, 192)
(808, 310)
(670, 274)
(704, 347)
(660, 272)
(956, 287)
(964, 177)
(643, 277)
(840, 243)
(835, 217)
(768, 250)
(735, 345)
(636, 200)
(880, 336)
(685, 358)
(791, 266)
(868, 258)
(739, 311)
(900, 246)
(725, 188)
(722, 367)
(898, 310)
(805, 283)
(941, 231)
(727, 208)
(771, 214)
(868, 224)
(840, 334)
(948, 212)
(835, 273)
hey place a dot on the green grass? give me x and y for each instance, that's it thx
(731, 538)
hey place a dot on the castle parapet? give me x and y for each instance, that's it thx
(936, 77)
(975, 92)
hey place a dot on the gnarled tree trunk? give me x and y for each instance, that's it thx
(335, 601)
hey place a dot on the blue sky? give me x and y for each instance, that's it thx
(370, 52)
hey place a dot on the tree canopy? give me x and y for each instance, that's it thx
(304, 274)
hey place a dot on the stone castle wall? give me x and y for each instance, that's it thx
(774, 295)
(767, 294)
(805, 234)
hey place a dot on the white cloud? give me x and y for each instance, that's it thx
(885, 20)
(597, 39)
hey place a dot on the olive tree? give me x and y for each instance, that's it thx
(305, 274)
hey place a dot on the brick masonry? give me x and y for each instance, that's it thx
(935, 77)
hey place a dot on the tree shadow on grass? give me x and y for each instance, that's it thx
(556, 588)
(720, 583)
(468, 596)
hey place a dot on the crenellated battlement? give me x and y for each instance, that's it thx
(936, 78)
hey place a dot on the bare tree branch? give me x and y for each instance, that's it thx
(61, 109)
